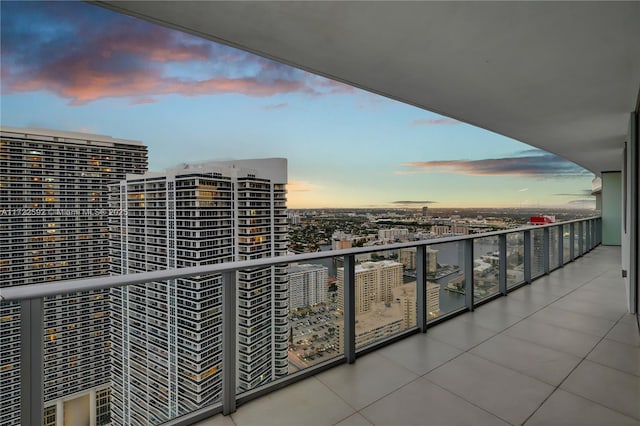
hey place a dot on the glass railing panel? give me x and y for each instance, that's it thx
(385, 294)
(576, 239)
(515, 258)
(585, 224)
(165, 349)
(537, 252)
(446, 278)
(486, 267)
(315, 317)
(10, 363)
(554, 256)
(566, 243)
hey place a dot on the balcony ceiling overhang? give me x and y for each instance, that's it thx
(561, 76)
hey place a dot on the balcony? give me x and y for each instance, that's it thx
(457, 352)
(560, 351)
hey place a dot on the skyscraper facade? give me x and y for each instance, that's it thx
(374, 282)
(167, 336)
(54, 226)
(307, 285)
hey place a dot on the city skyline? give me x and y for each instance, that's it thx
(78, 67)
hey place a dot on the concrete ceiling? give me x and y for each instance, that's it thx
(561, 76)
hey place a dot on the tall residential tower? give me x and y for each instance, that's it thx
(54, 226)
(167, 336)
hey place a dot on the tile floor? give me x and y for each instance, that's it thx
(562, 351)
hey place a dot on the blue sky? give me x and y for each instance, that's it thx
(78, 67)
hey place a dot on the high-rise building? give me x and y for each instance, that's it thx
(384, 305)
(167, 336)
(393, 234)
(432, 260)
(408, 257)
(406, 295)
(54, 226)
(307, 285)
(374, 282)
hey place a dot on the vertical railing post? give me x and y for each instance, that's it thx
(545, 250)
(350, 308)
(502, 264)
(421, 288)
(600, 230)
(527, 256)
(31, 362)
(229, 289)
(560, 234)
(468, 273)
(572, 241)
(580, 239)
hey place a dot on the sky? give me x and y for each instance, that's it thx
(78, 67)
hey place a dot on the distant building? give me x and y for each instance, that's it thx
(425, 211)
(459, 228)
(441, 230)
(342, 244)
(393, 234)
(294, 218)
(385, 319)
(341, 240)
(542, 220)
(408, 257)
(432, 260)
(307, 285)
(374, 282)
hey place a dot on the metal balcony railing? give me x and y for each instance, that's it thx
(518, 255)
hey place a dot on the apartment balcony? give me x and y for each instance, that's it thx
(562, 350)
(529, 326)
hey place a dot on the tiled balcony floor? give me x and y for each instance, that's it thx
(559, 352)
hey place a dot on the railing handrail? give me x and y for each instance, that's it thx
(34, 291)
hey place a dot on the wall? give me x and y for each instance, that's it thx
(611, 208)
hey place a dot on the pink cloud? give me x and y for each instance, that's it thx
(98, 55)
(140, 101)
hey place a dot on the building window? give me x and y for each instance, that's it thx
(50, 416)
(103, 412)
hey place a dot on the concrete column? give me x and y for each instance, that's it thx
(59, 413)
(92, 407)
(611, 208)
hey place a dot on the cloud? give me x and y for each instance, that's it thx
(140, 101)
(84, 53)
(583, 193)
(405, 172)
(523, 189)
(302, 186)
(275, 106)
(545, 165)
(326, 86)
(443, 121)
(582, 203)
(413, 202)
